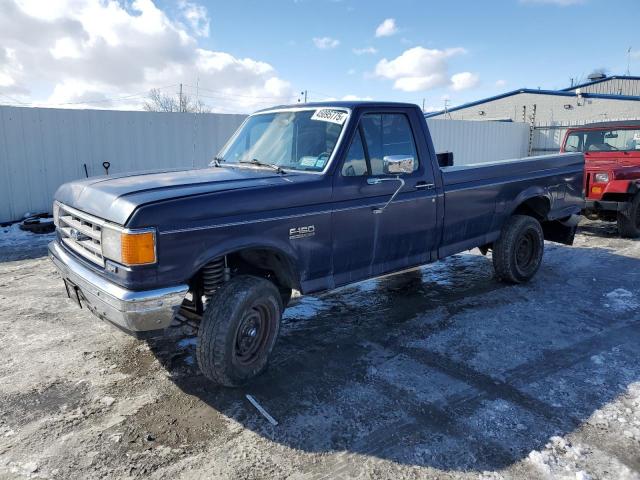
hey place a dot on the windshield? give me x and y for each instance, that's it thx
(627, 139)
(291, 139)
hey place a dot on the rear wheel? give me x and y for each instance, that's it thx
(517, 254)
(629, 220)
(239, 328)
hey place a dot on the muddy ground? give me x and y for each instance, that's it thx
(440, 373)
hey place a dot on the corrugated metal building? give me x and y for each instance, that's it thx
(595, 101)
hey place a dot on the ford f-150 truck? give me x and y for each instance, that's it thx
(306, 197)
(612, 172)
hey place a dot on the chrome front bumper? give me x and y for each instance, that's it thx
(128, 310)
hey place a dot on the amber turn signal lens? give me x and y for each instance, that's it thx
(596, 190)
(138, 248)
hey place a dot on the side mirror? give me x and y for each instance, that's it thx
(445, 159)
(397, 164)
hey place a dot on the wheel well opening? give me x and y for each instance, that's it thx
(265, 262)
(536, 207)
(261, 262)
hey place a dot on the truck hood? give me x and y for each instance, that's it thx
(611, 160)
(115, 197)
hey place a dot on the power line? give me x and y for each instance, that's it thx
(102, 100)
(115, 99)
(238, 95)
(323, 94)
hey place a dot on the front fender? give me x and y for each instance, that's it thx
(183, 253)
(232, 245)
(622, 186)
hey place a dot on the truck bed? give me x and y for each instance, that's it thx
(479, 197)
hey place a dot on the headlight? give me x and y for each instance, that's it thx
(56, 213)
(601, 178)
(129, 247)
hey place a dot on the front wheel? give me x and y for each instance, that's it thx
(629, 219)
(517, 254)
(238, 330)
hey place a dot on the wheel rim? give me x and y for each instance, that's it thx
(254, 333)
(526, 250)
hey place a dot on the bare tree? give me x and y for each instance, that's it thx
(161, 102)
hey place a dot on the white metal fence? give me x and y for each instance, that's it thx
(479, 142)
(41, 148)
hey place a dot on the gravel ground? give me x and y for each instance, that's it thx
(438, 373)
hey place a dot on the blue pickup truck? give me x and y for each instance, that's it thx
(305, 197)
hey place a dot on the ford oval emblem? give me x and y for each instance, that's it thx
(77, 236)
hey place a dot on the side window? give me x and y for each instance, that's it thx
(573, 143)
(355, 164)
(387, 134)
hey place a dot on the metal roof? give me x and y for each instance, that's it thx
(600, 80)
(558, 93)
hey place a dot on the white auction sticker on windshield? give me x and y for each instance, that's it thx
(328, 115)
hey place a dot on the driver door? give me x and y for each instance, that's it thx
(368, 244)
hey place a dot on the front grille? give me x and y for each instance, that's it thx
(82, 233)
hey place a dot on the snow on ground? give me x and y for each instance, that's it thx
(441, 372)
(16, 244)
(621, 300)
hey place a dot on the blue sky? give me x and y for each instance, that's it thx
(523, 44)
(248, 54)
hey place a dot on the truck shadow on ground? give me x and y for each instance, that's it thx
(442, 367)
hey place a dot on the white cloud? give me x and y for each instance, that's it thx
(464, 80)
(324, 43)
(76, 51)
(387, 28)
(365, 50)
(500, 83)
(351, 71)
(196, 16)
(418, 68)
(560, 3)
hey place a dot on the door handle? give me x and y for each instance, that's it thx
(425, 186)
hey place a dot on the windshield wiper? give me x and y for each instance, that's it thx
(257, 162)
(217, 161)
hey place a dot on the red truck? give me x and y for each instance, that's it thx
(612, 172)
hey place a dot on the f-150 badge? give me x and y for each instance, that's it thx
(302, 232)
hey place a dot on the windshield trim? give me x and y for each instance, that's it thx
(293, 109)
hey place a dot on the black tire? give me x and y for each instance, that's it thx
(517, 254)
(629, 219)
(238, 330)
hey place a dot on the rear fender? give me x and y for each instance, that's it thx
(538, 198)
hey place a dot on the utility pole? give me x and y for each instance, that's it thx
(180, 108)
(304, 95)
(423, 100)
(629, 61)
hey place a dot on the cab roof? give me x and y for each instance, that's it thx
(343, 104)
